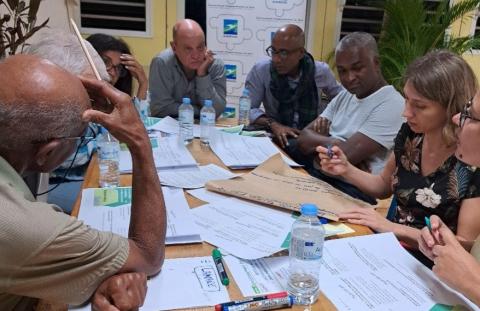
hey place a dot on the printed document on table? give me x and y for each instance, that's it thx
(108, 209)
(375, 272)
(243, 229)
(183, 283)
(195, 177)
(239, 152)
(207, 196)
(260, 276)
(168, 153)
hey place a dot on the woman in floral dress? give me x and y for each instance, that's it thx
(423, 172)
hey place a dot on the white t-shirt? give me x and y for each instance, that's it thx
(378, 116)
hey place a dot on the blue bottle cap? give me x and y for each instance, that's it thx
(308, 209)
(246, 92)
(186, 100)
(208, 103)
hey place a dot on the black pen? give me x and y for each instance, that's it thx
(217, 258)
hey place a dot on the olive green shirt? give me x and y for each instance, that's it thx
(46, 254)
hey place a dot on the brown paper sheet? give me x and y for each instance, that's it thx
(275, 183)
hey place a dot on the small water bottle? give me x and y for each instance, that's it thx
(244, 106)
(305, 254)
(108, 150)
(185, 118)
(207, 122)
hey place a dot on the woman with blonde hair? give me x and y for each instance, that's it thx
(423, 172)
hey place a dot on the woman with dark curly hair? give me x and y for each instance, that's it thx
(122, 67)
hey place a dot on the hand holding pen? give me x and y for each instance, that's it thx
(430, 236)
(333, 160)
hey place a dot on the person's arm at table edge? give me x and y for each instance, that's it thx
(148, 219)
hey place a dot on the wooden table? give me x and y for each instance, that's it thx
(205, 156)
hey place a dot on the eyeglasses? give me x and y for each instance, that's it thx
(119, 69)
(465, 114)
(84, 140)
(282, 53)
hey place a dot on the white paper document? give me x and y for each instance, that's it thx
(238, 152)
(171, 126)
(207, 196)
(375, 272)
(371, 272)
(196, 177)
(260, 276)
(183, 283)
(108, 209)
(243, 229)
(168, 153)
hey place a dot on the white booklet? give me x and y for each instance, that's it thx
(108, 209)
(240, 152)
(183, 283)
(168, 153)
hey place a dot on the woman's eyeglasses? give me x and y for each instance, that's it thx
(466, 114)
(119, 69)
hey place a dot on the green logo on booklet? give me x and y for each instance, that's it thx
(113, 197)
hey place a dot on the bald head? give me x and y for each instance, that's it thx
(291, 33)
(187, 28)
(38, 101)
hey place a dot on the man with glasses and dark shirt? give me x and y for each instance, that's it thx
(290, 85)
(188, 69)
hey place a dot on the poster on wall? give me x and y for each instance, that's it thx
(239, 32)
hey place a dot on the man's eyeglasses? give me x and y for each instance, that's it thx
(282, 53)
(465, 114)
(119, 69)
(90, 135)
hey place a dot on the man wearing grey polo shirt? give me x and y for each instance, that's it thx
(363, 120)
(290, 85)
(188, 69)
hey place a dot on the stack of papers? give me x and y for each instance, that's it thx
(363, 273)
(240, 152)
(195, 177)
(243, 229)
(108, 209)
(168, 153)
(183, 283)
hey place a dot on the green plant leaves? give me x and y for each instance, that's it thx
(18, 25)
(410, 31)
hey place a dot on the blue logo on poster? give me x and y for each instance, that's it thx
(230, 27)
(231, 72)
(271, 35)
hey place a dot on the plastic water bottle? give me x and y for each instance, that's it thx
(207, 122)
(244, 106)
(185, 117)
(306, 250)
(108, 150)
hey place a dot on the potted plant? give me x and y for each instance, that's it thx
(17, 25)
(411, 29)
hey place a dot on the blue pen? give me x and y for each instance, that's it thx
(427, 222)
(330, 153)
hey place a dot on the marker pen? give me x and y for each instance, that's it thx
(217, 258)
(260, 305)
(223, 306)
